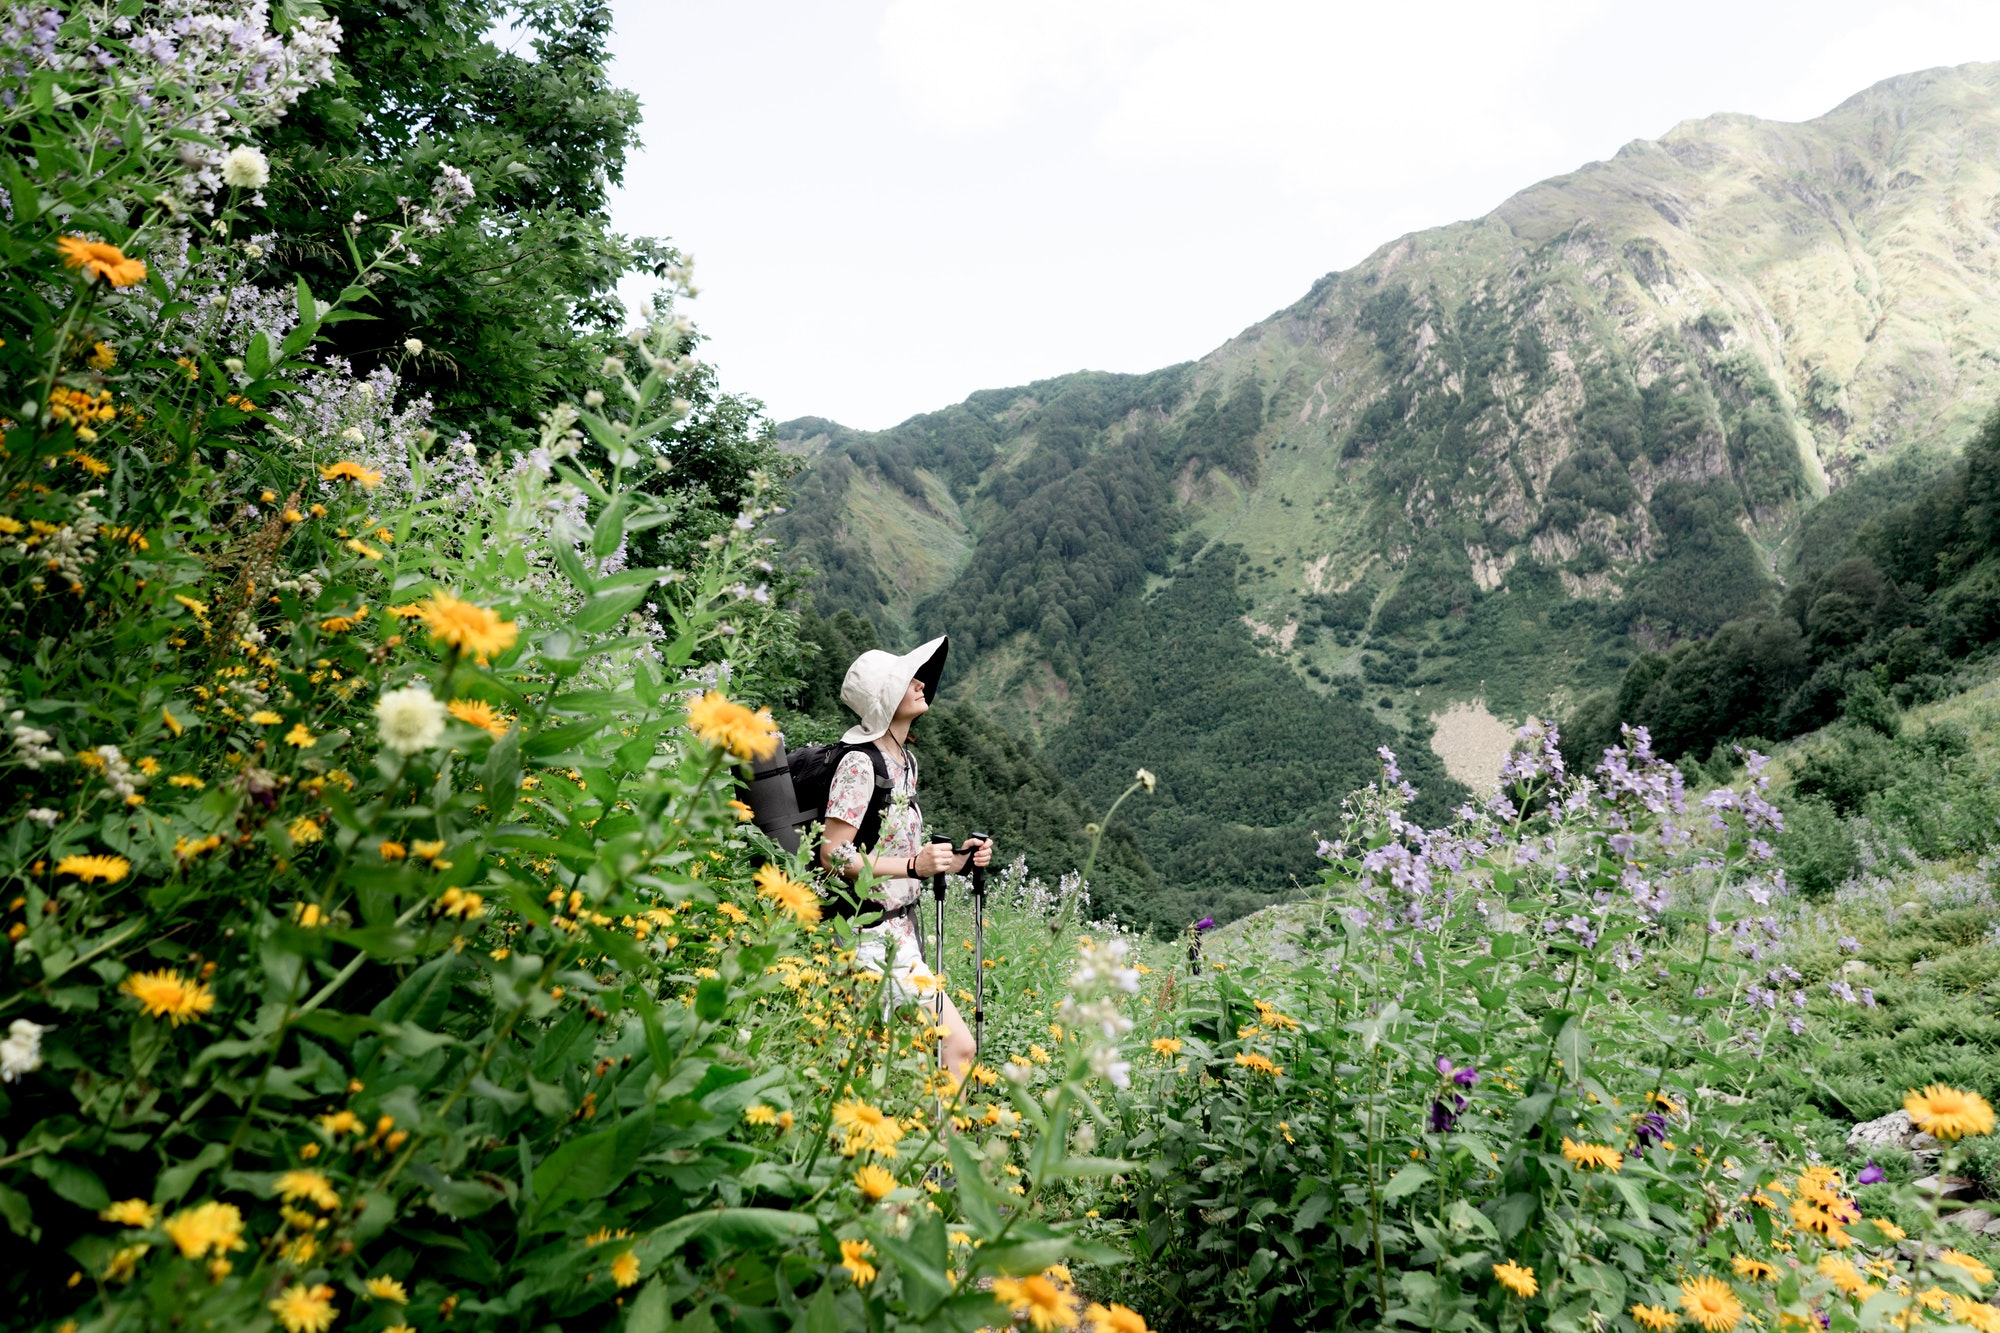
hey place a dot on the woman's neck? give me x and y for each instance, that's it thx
(899, 732)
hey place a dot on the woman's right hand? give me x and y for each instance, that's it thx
(934, 858)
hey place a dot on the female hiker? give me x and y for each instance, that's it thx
(889, 693)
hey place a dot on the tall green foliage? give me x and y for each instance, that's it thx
(514, 301)
(1887, 609)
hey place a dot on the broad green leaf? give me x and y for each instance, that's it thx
(72, 1181)
(711, 1000)
(744, 1227)
(610, 529)
(650, 1312)
(592, 1165)
(1406, 1182)
(20, 1214)
(606, 609)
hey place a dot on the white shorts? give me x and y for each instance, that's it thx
(910, 979)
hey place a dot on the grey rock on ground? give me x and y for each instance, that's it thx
(1949, 1187)
(1976, 1220)
(1893, 1130)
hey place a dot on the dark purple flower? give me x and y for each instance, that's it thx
(1651, 1129)
(1871, 1174)
(1465, 1077)
(1206, 923)
(1443, 1120)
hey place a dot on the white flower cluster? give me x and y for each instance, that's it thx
(336, 415)
(450, 193)
(1101, 975)
(36, 747)
(119, 775)
(64, 552)
(21, 1050)
(213, 305)
(201, 70)
(411, 719)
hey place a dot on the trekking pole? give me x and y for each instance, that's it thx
(937, 952)
(978, 951)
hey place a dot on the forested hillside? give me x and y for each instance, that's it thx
(1503, 459)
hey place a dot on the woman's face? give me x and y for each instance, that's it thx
(914, 703)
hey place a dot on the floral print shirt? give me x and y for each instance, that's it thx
(902, 819)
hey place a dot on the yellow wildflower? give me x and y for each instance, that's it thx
(1754, 1269)
(1516, 1278)
(340, 1122)
(347, 470)
(388, 1289)
(854, 1258)
(205, 1227)
(796, 899)
(625, 1269)
(1045, 1304)
(90, 868)
(1592, 1156)
(864, 1127)
(717, 721)
(1115, 1318)
(467, 628)
(167, 994)
(303, 1309)
(1949, 1113)
(296, 1185)
(98, 259)
(479, 713)
(1968, 1265)
(131, 1213)
(1708, 1301)
(125, 1263)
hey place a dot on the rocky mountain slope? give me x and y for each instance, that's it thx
(1494, 460)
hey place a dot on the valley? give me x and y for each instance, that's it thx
(1496, 462)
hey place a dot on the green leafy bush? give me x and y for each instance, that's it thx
(382, 948)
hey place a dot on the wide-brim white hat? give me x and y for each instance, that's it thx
(877, 681)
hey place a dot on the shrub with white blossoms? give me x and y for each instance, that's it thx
(202, 71)
(1103, 973)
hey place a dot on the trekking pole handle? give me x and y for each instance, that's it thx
(978, 871)
(937, 880)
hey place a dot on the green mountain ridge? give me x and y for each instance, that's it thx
(1495, 460)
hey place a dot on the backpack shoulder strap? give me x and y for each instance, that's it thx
(870, 829)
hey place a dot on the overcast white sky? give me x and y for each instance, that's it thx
(893, 203)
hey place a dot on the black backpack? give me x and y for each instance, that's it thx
(787, 792)
(812, 768)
